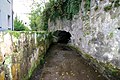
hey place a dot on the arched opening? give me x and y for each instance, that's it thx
(61, 36)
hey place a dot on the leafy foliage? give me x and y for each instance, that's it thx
(35, 17)
(62, 8)
(55, 9)
(19, 26)
(87, 5)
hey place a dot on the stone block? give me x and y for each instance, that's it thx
(1, 58)
(15, 68)
(2, 75)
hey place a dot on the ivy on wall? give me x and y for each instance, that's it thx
(59, 9)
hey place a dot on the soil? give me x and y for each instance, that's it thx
(64, 63)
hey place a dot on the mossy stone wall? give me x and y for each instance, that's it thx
(96, 32)
(21, 52)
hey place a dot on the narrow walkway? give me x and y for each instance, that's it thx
(62, 63)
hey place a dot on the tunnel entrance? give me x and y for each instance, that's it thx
(61, 36)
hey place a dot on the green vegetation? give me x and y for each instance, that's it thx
(61, 9)
(19, 26)
(111, 35)
(110, 70)
(35, 18)
(54, 9)
(96, 8)
(15, 34)
(108, 7)
(87, 5)
(117, 3)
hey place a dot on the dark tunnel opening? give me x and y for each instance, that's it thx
(61, 36)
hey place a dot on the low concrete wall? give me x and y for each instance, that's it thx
(21, 52)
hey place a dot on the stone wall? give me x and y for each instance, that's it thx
(21, 52)
(95, 32)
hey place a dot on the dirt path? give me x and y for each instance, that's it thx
(62, 63)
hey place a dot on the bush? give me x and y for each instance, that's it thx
(19, 26)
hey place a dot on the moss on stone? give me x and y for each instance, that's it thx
(109, 71)
(112, 71)
(27, 77)
(31, 70)
(87, 30)
(42, 39)
(86, 33)
(108, 7)
(112, 1)
(15, 34)
(117, 3)
(34, 66)
(111, 35)
(8, 60)
(96, 8)
(87, 5)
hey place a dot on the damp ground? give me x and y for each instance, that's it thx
(64, 63)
